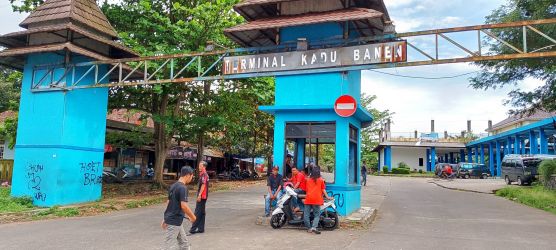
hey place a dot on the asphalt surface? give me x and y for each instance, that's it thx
(413, 214)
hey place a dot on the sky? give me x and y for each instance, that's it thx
(450, 102)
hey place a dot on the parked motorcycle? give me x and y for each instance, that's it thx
(235, 175)
(109, 177)
(283, 213)
(245, 175)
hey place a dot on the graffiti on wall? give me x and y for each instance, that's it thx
(34, 181)
(339, 198)
(90, 173)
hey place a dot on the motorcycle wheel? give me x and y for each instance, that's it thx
(278, 220)
(330, 221)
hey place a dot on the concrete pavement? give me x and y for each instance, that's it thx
(414, 214)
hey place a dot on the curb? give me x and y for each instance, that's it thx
(460, 189)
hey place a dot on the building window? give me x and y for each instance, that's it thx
(312, 143)
(1, 150)
(353, 155)
(420, 162)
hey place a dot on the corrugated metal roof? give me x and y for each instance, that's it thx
(84, 11)
(19, 39)
(257, 9)
(256, 33)
(51, 48)
(537, 116)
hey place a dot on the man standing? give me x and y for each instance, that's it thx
(176, 209)
(202, 194)
(289, 165)
(274, 184)
(364, 174)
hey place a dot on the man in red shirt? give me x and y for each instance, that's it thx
(202, 195)
(316, 189)
(299, 185)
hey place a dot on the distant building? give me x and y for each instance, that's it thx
(418, 151)
(517, 121)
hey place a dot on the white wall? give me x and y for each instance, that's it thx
(409, 155)
(8, 153)
(381, 154)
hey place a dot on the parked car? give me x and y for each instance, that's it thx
(469, 170)
(522, 168)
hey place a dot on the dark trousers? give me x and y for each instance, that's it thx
(364, 179)
(199, 224)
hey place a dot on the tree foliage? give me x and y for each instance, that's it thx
(497, 74)
(10, 89)
(370, 136)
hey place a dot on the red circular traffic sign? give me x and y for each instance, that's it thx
(345, 106)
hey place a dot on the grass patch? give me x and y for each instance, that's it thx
(145, 202)
(536, 196)
(10, 204)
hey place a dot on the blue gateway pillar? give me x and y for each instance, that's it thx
(304, 104)
(60, 135)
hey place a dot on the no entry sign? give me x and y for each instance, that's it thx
(345, 106)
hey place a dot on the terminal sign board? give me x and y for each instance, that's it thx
(316, 59)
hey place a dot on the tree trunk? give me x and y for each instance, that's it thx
(200, 149)
(161, 141)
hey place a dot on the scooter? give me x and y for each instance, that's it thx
(283, 213)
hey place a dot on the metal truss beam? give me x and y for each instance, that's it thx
(185, 68)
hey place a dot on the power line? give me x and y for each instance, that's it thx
(426, 78)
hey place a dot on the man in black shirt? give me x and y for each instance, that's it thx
(289, 166)
(364, 174)
(176, 209)
(274, 184)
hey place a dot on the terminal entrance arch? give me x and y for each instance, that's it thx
(315, 60)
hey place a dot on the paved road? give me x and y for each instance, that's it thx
(414, 214)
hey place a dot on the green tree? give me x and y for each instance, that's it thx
(10, 89)
(370, 136)
(168, 27)
(497, 74)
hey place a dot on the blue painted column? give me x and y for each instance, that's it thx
(498, 159)
(476, 153)
(516, 145)
(469, 155)
(60, 138)
(433, 158)
(379, 167)
(543, 141)
(509, 145)
(491, 158)
(533, 147)
(388, 157)
(462, 155)
(446, 158)
(482, 154)
(300, 153)
(452, 160)
(428, 159)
